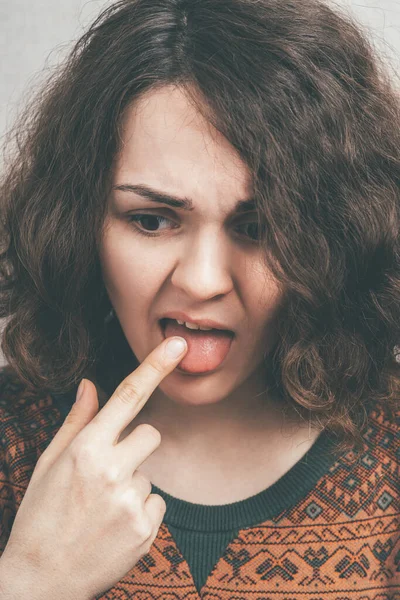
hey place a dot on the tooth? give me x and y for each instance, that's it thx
(193, 325)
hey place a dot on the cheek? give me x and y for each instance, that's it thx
(266, 295)
(119, 265)
(126, 266)
(266, 303)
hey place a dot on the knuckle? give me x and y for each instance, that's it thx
(143, 528)
(130, 504)
(161, 502)
(87, 458)
(111, 475)
(82, 452)
(140, 523)
(156, 368)
(147, 544)
(130, 391)
(142, 479)
(163, 505)
(132, 507)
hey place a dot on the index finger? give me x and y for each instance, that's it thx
(133, 392)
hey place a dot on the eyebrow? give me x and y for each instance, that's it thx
(174, 201)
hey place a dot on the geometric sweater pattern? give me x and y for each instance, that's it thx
(337, 540)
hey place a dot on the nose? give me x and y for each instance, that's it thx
(203, 270)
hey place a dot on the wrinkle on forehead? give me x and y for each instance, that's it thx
(163, 115)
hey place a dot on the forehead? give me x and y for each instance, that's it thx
(166, 143)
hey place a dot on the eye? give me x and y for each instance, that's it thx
(252, 230)
(144, 221)
(150, 221)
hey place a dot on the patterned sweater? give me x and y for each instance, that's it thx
(328, 529)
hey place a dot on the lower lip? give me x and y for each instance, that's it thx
(198, 373)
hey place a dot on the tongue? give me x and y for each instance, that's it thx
(206, 349)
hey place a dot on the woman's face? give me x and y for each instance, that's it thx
(203, 262)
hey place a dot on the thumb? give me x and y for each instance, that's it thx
(82, 412)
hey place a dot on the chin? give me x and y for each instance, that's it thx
(197, 392)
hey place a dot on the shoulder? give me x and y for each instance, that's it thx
(381, 458)
(371, 482)
(23, 412)
(383, 430)
(28, 421)
(368, 483)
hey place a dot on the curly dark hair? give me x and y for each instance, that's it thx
(300, 92)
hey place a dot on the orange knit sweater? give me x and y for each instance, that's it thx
(328, 530)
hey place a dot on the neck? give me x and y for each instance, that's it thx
(250, 416)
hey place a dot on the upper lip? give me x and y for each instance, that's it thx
(181, 316)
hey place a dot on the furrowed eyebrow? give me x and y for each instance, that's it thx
(174, 201)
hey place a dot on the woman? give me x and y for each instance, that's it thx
(231, 165)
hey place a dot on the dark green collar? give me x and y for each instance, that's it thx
(268, 504)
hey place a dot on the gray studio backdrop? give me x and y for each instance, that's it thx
(36, 36)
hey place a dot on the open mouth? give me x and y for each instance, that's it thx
(165, 321)
(207, 350)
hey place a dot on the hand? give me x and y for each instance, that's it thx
(88, 516)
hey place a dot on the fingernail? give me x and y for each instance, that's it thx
(175, 347)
